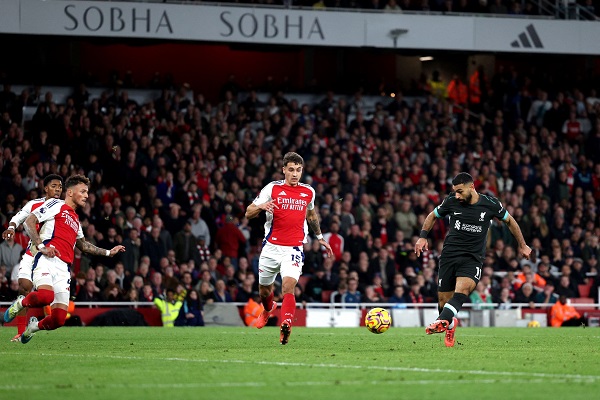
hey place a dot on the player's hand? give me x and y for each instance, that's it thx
(50, 252)
(269, 206)
(116, 249)
(525, 251)
(422, 244)
(327, 247)
(7, 234)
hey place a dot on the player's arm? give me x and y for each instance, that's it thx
(423, 243)
(514, 228)
(30, 226)
(87, 247)
(253, 210)
(15, 221)
(313, 221)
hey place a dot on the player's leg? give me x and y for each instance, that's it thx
(267, 271)
(25, 286)
(446, 286)
(61, 291)
(468, 274)
(16, 310)
(291, 268)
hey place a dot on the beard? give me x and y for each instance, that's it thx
(466, 199)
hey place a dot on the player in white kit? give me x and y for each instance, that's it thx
(289, 205)
(53, 185)
(55, 245)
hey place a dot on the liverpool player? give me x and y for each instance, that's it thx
(289, 205)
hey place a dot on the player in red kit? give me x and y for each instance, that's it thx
(53, 185)
(289, 205)
(53, 249)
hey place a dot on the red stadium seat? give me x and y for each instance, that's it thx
(326, 296)
(584, 290)
(303, 280)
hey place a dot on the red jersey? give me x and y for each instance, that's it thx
(22, 215)
(61, 227)
(287, 226)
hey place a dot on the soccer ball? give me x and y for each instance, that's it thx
(378, 320)
(533, 324)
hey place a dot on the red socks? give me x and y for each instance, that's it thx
(56, 319)
(268, 302)
(41, 298)
(21, 321)
(288, 307)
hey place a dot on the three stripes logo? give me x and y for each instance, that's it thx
(528, 39)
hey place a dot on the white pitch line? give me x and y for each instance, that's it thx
(333, 366)
(337, 383)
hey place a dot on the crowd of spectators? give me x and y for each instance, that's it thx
(171, 180)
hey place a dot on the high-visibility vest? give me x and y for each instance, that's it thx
(168, 311)
(560, 313)
(252, 310)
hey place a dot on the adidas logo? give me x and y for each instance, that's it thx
(282, 193)
(527, 38)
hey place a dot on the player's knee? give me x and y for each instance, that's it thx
(24, 290)
(45, 296)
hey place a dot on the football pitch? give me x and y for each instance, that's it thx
(318, 363)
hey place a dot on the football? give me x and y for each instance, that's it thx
(533, 324)
(378, 320)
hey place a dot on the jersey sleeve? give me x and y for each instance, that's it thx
(22, 215)
(80, 232)
(264, 195)
(444, 208)
(48, 210)
(499, 211)
(311, 204)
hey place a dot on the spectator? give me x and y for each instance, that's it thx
(199, 226)
(221, 294)
(547, 296)
(564, 314)
(169, 308)
(191, 312)
(184, 244)
(480, 297)
(335, 240)
(230, 239)
(10, 253)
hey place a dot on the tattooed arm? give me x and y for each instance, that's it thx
(313, 221)
(87, 247)
(30, 226)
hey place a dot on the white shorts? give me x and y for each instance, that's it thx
(53, 272)
(25, 267)
(285, 260)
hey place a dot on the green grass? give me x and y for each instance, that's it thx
(242, 363)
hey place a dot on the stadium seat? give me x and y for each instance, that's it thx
(582, 300)
(584, 290)
(326, 296)
(303, 280)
